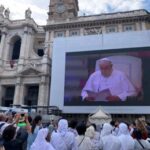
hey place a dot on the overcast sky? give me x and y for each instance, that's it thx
(39, 8)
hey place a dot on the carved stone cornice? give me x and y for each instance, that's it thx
(15, 24)
(98, 20)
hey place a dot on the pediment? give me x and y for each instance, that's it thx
(30, 71)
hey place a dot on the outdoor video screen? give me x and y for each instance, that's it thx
(108, 78)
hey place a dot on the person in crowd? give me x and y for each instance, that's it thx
(72, 127)
(110, 79)
(143, 119)
(108, 141)
(83, 142)
(11, 142)
(3, 123)
(115, 125)
(36, 126)
(148, 129)
(2, 118)
(140, 143)
(63, 139)
(21, 132)
(97, 134)
(96, 138)
(42, 141)
(127, 142)
(90, 132)
(140, 126)
(132, 127)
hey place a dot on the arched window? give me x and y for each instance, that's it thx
(15, 48)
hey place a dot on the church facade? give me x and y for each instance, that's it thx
(26, 48)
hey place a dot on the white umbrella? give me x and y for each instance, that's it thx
(100, 117)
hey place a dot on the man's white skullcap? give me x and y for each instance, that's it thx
(105, 60)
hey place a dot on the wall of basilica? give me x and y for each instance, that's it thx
(24, 65)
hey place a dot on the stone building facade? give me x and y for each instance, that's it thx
(26, 48)
(24, 67)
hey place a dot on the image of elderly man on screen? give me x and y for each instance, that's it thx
(107, 84)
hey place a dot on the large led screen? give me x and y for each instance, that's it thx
(108, 78)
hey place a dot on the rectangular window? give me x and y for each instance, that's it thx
(129, 27)
(8, 97)
(74, 33)
(59, 34)
(111, 29)
(31, 97)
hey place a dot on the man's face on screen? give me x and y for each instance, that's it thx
(106, 68)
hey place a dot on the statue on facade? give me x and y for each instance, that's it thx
(7, 13)
(1, 9)
(28, 13)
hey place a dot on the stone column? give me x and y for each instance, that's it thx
(2, 43)
(67, 33)
(51, 49)
(103, 29)
(138, 28)
(17, 95)
(19, 90)
(51, 36)
(51, 43)
(47, 92)
(120, 28)
(28, 44)
(143, 26)
(23, 45)
(82, 32)
(21, 97)
(45, 62)
(42, 101)
(41, 95)
(47, 36)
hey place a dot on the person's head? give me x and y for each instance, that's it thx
(143, 119)
(132, 125)
(81, 128)
(123, 129)
(41, 139)
(106, 130)
(37, 121)
(90, 132)
(73, 124)
(117, 123)
(62, 126)
(112, 123)
(9, 133)
(30, 119)
(140, 125)
(105, 66)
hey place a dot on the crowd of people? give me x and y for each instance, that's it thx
(21, 132)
